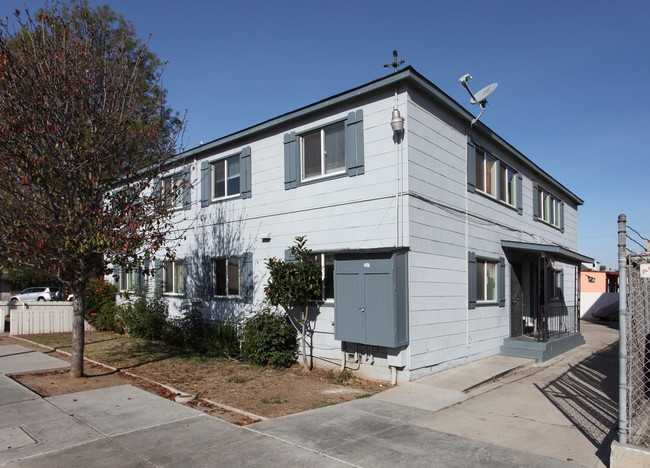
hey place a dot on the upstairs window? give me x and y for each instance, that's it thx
(173, 188)
(486, 173)
(548, 208)
(508, 185)
(323, 151)
(225, 178)
(333, 150)
(496, 179)
(491, 176)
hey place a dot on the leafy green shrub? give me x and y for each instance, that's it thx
(269, 340)
(146, 317)
(99, 306)
(208, 338)
(220, 339)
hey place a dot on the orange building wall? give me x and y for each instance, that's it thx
(599, 285)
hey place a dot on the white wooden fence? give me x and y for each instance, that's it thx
(31, 318)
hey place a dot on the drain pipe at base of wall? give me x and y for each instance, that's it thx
(343, 360)
(393, 376)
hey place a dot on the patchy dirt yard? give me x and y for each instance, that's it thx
(261, 391)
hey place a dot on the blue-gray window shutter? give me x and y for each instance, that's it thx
(246, 281)
(245, 172)
(145, 276)
(471, 280)
(206, 185)
(291, 160)
(562, 216)
(520, 201)
(208, 281)
(137, 280)
(156, 187)
(535, 202)
(187, 192)
(471, 164)
(158, 276)
(501, 280)
(188, 280)
(354, 158)
(288, 256)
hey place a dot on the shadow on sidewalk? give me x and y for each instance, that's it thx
(587, 395)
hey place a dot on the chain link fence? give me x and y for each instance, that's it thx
(638, 351)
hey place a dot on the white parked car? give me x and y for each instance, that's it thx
(36, 294)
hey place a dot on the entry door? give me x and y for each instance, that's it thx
(366, 301)
(516, 301)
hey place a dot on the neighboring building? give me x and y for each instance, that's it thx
(598, 281)
(437, 244)
(598, 293)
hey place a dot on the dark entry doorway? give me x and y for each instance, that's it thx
(523, 297)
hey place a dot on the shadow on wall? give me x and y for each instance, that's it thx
(587, 395)
(219, 234)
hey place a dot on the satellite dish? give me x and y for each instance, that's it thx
(479, 98)
(482, 95)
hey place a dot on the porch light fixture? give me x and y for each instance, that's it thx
(397, 122)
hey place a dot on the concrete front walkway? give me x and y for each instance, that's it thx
(547, 415)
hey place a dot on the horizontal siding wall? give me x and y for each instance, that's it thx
(445, 223)
(343, 213)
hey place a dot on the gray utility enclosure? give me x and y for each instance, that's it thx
(439, 245)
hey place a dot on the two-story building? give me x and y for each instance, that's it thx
(438, 244)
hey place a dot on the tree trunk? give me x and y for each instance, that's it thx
(305, 364)
(78, 342)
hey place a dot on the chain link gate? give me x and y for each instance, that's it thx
(638, 351)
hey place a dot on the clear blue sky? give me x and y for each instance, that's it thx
(573, 76)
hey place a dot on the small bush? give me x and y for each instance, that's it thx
(208, 338)
(99, 306)
(269, 340)
(146, 317)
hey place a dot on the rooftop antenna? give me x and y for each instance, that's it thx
(395, 63)
(479, 98)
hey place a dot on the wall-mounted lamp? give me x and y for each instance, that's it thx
(266, 237)
(397, 122)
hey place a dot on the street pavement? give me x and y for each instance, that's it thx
(499, 411)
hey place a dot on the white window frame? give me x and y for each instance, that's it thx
(175, 271)
(497, 184)
(324, 260)
(228, 262)
(213, 177)
(549, 208)
(127, 280)
(323, 171)
(167, 184)
(507, 185)
(483, 267)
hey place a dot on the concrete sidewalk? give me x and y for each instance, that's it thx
(559, 414)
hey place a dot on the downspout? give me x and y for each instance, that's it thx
(397, 178)
(467, 345)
